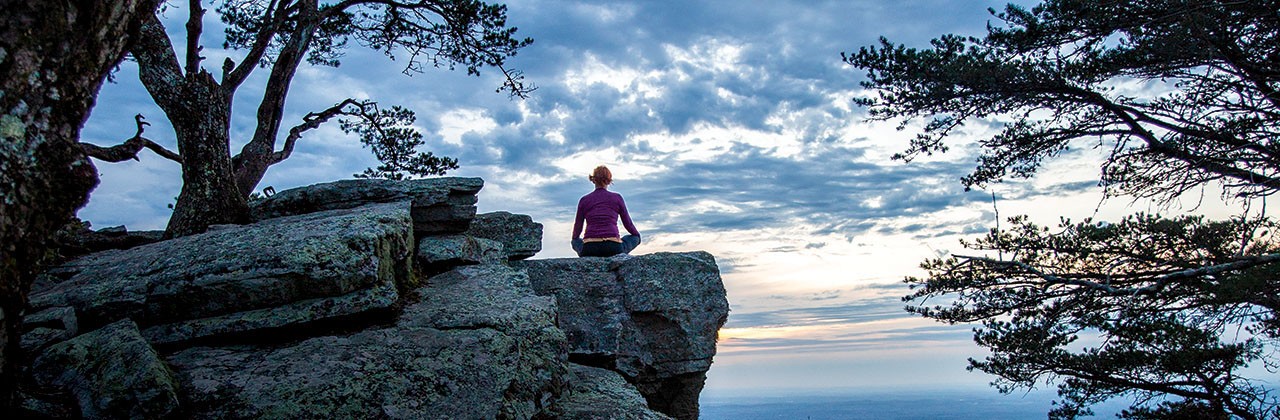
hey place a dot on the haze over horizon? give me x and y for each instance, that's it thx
(730, 127)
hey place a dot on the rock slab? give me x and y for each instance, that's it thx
(439, 205)
(520, 236)
(272, 274)
(653, 318)
(477, 343)
(455, 250)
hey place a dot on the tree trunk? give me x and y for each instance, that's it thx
(200, 111)
(209, 194)
(53, 58)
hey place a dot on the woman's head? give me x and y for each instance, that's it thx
(601, 177)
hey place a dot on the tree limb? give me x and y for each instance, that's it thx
(158, 65)
(257, 154)
(1160, 281)
(514, 83)
(129, 148)
(232, 79)
(310, 121)
(1239, 60)
(1130, 118)
(1186, 128)
(195, 26)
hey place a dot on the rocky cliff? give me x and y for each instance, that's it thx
(371, 298)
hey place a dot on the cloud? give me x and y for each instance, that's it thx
(879, 339)
(873, 324)
(745, 106)
(853, 312)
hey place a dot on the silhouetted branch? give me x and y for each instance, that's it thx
(1158, 282)
(314, 120)
(129, 148)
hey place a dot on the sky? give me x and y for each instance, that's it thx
(730, 127)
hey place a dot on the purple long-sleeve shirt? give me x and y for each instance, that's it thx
(600, 210)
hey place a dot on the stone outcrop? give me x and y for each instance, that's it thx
(477, 344)
(653, 318)
(520, 236)
(48, 326)
(435, 252)
(439, 205)
(371, 299)
(273, 274)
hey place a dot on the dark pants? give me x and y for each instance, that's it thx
(606, 248)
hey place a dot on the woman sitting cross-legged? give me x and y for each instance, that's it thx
(601, 210)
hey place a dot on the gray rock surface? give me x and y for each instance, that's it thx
(653, 318)
(354, 310)
(602, 394)
(448, 251)
(77, 242)
(314, 266)
(477, 344)
(112, 373)
(440, 205)
(501, 298)
(48, 326)
(518, 233)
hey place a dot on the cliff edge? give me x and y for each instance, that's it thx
(371, 298)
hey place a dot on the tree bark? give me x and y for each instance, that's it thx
(200, 111)
(209, 194)
(54, 57)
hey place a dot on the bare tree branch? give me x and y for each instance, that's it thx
(129, 148)
(310, 121)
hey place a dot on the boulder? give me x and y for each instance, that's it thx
(440, 253)
(268, 275)
(112, 373)
(596, 393)
(477, 343)
(440, 205)
(653, 318)
(518, 233)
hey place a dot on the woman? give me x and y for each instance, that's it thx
(600, 210)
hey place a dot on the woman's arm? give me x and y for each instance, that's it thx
(626, 217)
(577, 220)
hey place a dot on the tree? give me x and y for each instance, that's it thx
(278, 36)
(54, 57)
(1167, 310)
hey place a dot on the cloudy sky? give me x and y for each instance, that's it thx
(730, 128)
